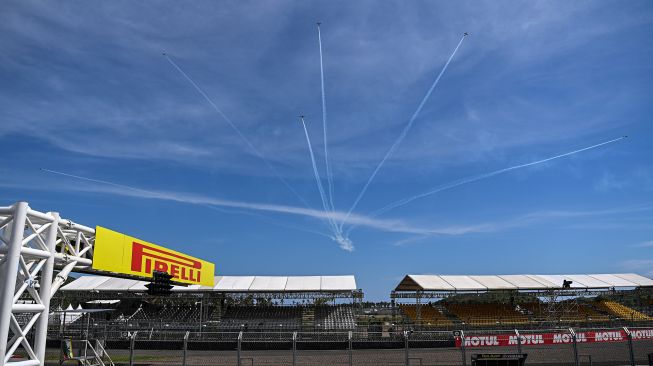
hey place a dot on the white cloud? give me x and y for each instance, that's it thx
(109, 92)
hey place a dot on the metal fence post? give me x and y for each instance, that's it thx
(132, 342)
(462, 347)
(183, 361)
(575, 345)
(240, 340)
(406, 333)
(351, 358)
(294, 348)
(630, 346)
(518, 341)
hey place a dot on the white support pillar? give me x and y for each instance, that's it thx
(45, 283)
(9, 272)
(28, 255)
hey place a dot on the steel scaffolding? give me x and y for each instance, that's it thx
(32, 245)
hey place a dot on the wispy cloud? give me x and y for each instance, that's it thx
(646, 244)
(111, 80)
(643, 266)
(387, 225)
(638, 176)
(608, 182)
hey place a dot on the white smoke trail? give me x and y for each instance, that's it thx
(235, 128)
(154, 194)
(329, 173)
(403, 133)
(318, 181)
(385, 225)
(445, 187)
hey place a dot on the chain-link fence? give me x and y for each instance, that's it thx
(595, 346)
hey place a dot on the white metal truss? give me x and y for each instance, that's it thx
(32, 244)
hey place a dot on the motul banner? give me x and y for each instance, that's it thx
(507, 340)
(120, 253)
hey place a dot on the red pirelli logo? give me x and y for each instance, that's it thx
(146, 259)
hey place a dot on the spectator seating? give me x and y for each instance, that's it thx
(429, 315)
(622, 311)
(339, 317)
(486, 313)
(237, 318)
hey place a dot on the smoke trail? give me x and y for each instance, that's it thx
(154, 194)
(329, 174)
(318, 182)
(403, 133)
(235, 128)
(461, 182)
(97, 181)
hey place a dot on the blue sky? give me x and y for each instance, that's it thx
(85, 90)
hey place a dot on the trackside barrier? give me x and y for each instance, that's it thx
(575, 345)
(406, 349)
(240, 346)
(132, 342)
(588, 357)
(571, 346)
(183, 362)
(461, 334)
(518, 341)
(351, 354)
(630, 346)
(294, 348)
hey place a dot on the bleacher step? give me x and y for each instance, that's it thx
(308, 318)
(442, 309)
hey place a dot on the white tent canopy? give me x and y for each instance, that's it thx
(225, 284)
(520, 282)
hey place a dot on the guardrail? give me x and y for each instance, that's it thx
(580, 346)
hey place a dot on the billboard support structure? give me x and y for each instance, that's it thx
(32, 245)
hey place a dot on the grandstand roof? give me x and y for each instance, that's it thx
(520, 282)
(225, 284)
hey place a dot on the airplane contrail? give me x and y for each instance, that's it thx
(329, 173)
(445, 187)
(318, 182)
(235, 128)
(403, 133)
(217, 205)
(385, 225)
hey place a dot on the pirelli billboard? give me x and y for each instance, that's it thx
(120, 253)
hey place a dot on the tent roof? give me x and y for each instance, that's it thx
(225, 284)
(519, 282)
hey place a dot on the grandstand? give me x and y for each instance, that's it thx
(256, 303)
(234, 303)
(520, 300)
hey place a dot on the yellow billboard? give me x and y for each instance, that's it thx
(120, 253)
